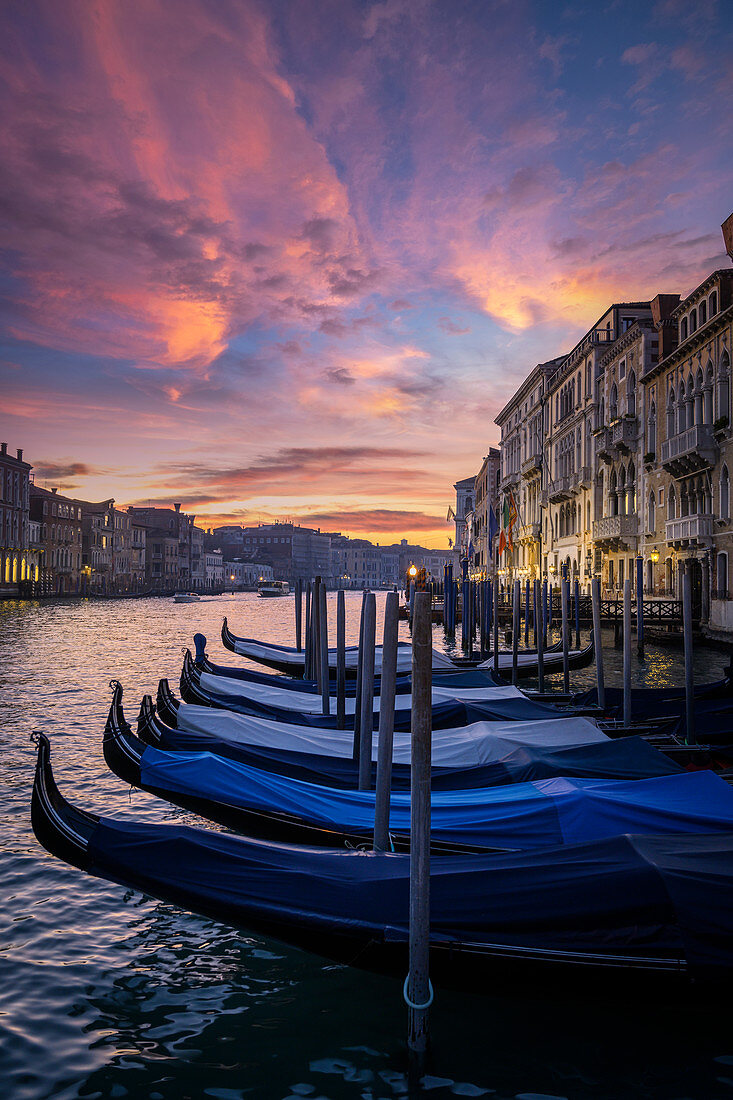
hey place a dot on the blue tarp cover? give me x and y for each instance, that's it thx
(543, 813)
(625, 758)
(629, 895)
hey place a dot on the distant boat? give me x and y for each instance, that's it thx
(186, 597)
(273, 588)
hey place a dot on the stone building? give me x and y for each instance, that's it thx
(465, 505)
(487, 497)
(523, 425)
(624, 514)
(689, 394)
(60, 538)
(138, 539)
(14, 520)
(98, 530)
(214, 565)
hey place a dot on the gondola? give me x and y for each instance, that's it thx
(271, 696)
(528, 740)
(506, 704)
(466, 745)
(459, 678)
(645, 904)
(292, 662)
(509, 817)
(515, 759)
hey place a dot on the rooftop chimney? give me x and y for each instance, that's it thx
(3, 448)
(55, 489)
(20, 454)
(177, 507)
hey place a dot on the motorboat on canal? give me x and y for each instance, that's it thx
(626, 903)
(186, 597)
(273, 588)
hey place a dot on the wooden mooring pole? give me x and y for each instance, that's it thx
(627, 651)
(496, 625)
(418, 990)
(299, 614)
(515, 632)
(367, 692)
(576, 609)
(315, 625)
(595, 589)
(308, 666)
(386, 723)
(526, 614)
(323, 650)
(539, 615)
(640, 608)
(687, 639)
(564, 586)
(357, 699)
(340, 659)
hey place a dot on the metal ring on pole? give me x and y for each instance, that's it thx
(411, 1004)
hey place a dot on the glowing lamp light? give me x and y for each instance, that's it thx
(654, 556)
(412, 570)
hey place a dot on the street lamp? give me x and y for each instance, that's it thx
(654, 556)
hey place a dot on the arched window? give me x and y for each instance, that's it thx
(724, 494)
(693, 320)
(698, 405)
(724, 386)
(713, 300)
(703, 313)
(631, 394)
(652, 511)
(613, 402)
(683, 329)
(708, 395)
(681, 410)
(721, 576)
(670, 414)
(631, 489)
(672, 504)
(613, 492)
(651, 434)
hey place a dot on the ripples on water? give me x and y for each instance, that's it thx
(107, 993)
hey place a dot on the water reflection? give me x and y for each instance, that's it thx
(108, 993)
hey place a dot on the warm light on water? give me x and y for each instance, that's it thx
(108, 993)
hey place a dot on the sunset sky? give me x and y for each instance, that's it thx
(290, 258)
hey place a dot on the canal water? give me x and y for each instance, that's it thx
(105, 992)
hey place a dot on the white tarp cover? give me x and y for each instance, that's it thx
(465, 746)
(309, 703)
(259, 652)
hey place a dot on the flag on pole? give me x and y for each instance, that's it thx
(451, 514)
(493, 526)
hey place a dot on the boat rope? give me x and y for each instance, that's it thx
(411, 1004)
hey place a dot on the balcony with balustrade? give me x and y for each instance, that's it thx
(623, 432)
(560, 489)
(694, 530)
(616, 532)
(689, 451)
(602, 445)
(532, 465)
(528, 532)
